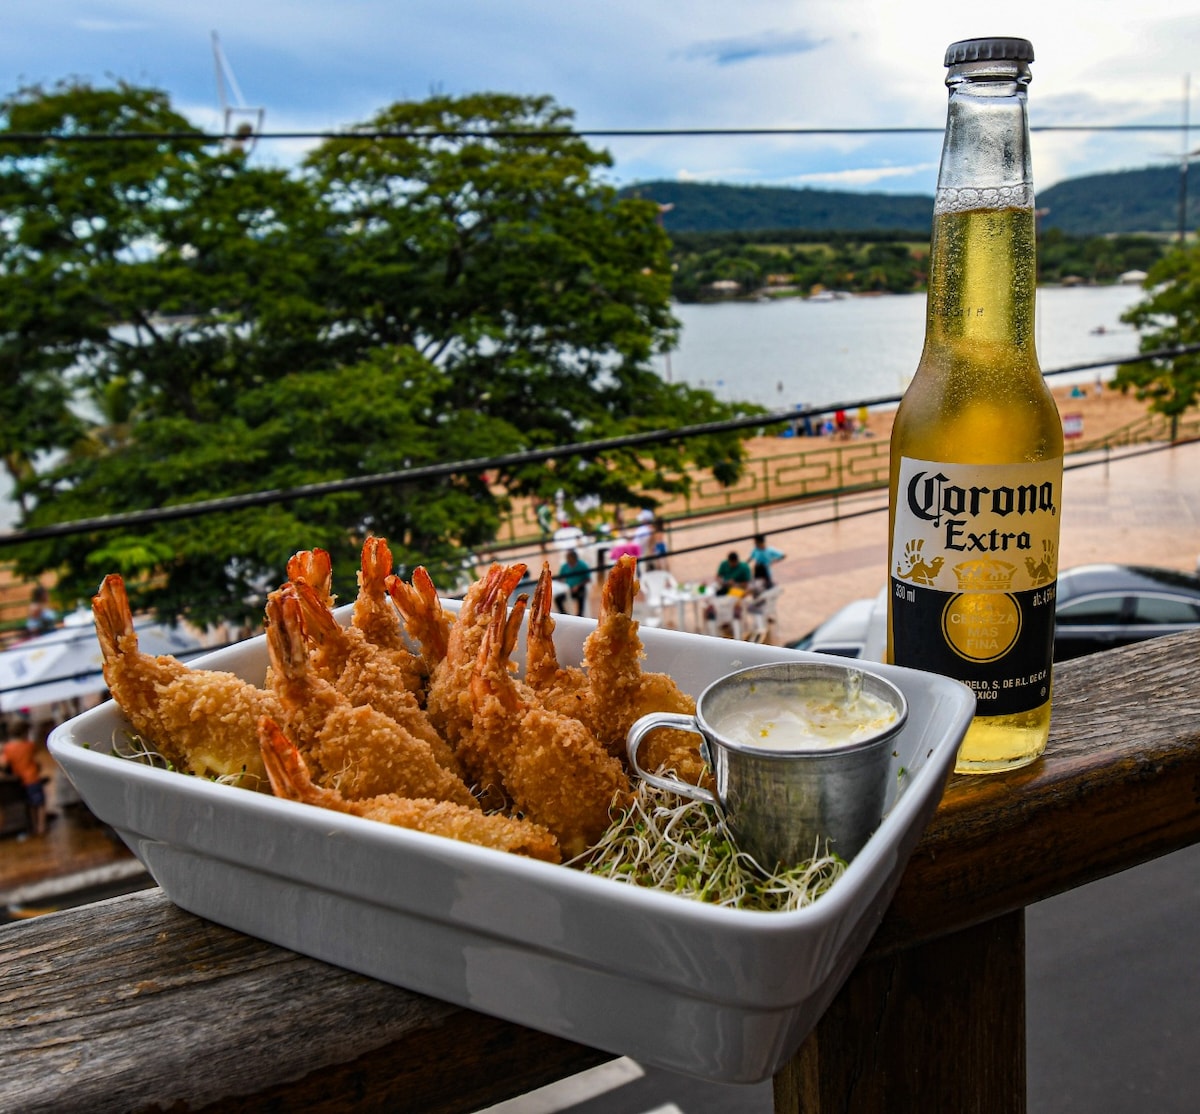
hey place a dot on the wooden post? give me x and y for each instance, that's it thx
(938, 1027)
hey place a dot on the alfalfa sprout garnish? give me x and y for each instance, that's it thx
(683, 847)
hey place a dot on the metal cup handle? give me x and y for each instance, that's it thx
(653, 722)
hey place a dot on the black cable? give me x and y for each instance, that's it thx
(466, 467)
(529, 582)
(26, 138)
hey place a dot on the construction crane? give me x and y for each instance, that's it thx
(242, 124)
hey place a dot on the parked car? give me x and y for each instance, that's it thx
(858, 630)
(1102, 606)
(1098, 607)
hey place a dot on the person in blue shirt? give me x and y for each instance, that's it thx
(762, 557)
(576, 576)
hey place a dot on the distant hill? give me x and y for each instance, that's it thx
(1144, 200)
(703, 207)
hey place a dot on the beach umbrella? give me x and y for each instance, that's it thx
(67, 662)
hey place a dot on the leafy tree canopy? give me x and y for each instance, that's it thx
(1168, 317)
(195, 327)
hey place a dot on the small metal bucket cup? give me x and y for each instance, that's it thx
(782, 803)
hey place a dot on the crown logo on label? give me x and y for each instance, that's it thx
(984, 575)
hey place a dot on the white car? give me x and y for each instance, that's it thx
(858, 630)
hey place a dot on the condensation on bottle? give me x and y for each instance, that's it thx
(977, 445)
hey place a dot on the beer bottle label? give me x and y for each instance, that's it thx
(973, 571)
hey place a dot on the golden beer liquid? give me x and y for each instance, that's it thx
(978, 397)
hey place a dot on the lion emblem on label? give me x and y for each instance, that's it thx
(913, 566)
(1042, 572)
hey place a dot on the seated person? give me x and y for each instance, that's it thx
(733, 578)
(733, 574)
(20, 756)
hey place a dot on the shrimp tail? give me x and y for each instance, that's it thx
(318, 622)
(114, 620)
(286, 645)
(421, 610)
(621, 586)
(492, 674)
(315, 567)
(376, 562)
(286, 769)
(541, 658)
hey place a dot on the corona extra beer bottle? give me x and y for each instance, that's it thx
(977, 444)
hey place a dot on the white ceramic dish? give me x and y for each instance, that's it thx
(721, 994)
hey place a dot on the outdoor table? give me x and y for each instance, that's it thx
(684, 597)
(133, 1004)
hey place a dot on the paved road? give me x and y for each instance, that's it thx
(1113, 1012)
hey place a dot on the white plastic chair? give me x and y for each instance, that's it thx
(760, 612)
(726, 611)
(651, 602)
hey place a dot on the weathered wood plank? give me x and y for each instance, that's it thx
(1119, 785)
(131, 1004)
(134, 1005)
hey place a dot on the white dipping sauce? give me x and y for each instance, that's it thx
(779, 720)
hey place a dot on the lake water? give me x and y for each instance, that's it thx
(791, 352)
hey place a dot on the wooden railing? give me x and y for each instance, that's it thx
(132, 1004)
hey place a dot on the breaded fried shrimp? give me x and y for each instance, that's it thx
(365, 673)
(550, 765)
(290, 778)
(203, 721)
(358, 751)
(620, 692)
(449, 700)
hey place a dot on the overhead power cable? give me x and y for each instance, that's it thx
(25, 137)
(470, 466)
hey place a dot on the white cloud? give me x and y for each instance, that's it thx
(765, 44)
(649, 64)
(861, 176)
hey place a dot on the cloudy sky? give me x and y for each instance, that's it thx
(317, 65)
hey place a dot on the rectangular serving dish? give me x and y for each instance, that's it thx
(722, 994)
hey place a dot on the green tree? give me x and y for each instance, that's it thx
(226, 329)
(481, 234)
(1168, 317)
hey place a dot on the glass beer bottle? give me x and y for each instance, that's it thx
(977, 443)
